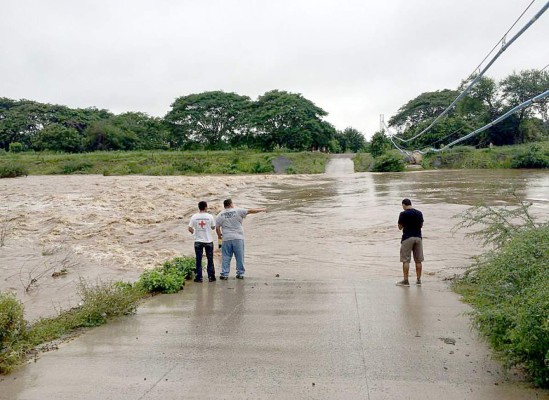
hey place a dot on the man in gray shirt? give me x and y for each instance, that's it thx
(229, 228)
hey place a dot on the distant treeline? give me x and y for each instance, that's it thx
(278, 120)
(204, 121)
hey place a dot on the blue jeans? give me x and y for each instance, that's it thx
(228, 248)
(198, 249)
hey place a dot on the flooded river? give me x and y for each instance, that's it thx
(318, 314)
(335, 225)
(341, 224)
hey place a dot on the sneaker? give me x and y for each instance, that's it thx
(240, 277)
(418, 282)
(223, 278)
(211, 279)
(197, 280)
(403, 283)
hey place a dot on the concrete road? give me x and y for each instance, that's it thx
(277, 338)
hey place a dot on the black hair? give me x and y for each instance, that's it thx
(407, 202)
(202, 205)
(227, 203)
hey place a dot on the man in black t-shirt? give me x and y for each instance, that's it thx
(410, 222)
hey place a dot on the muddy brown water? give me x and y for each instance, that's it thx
(341, 224)
(335, 225)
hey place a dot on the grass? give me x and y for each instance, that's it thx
(364, 162)
(100, 303)
(531, 155)
(12, 169)
(156, 163)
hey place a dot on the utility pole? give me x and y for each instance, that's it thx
(381, 122)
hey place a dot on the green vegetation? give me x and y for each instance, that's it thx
(201, 121)
(389, 162)
(100, 303)
(277, 120)
(156, 163)
(12, 170)
(12, 329)
(170, 277)
(364, 162)
(533, 155)
(485, 102)
(509, 288)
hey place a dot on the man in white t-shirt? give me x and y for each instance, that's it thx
(201, 226)
(229, 227)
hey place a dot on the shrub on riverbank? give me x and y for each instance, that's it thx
(12, 328)
(533, 155)
(160, 162)
(364, 162)
(99, 303)
(389, 162)
(170, 277)
(509, 291)
(12, 170)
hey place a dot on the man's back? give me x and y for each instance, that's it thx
(412, 222)
(202, 223)
(230, 221)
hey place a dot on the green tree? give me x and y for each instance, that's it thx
(57, 137)
(151, 133)
(283, 119)
(520, 87)
(424, 107)
(379, 144)
(20, 121)
(481, 104)
(353, 140)
(211, 119)
(105, 135)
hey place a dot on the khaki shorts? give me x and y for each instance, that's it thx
(409, 246)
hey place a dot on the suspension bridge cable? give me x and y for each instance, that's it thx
(494, 122)
(500, 41)
(447, 136)
(503, 48)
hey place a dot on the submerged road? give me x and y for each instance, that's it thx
(318, 315)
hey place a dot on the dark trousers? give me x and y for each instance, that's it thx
(198, 250)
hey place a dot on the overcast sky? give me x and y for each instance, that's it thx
(356, 59)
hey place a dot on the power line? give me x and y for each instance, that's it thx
(496, 121)
(500, 41)
(503, 48)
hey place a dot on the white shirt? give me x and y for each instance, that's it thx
(202, 223)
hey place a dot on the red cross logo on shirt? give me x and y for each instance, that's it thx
(202, 224)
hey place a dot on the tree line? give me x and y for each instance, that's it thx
(278, 119)
(487, 100)
(211, 120)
